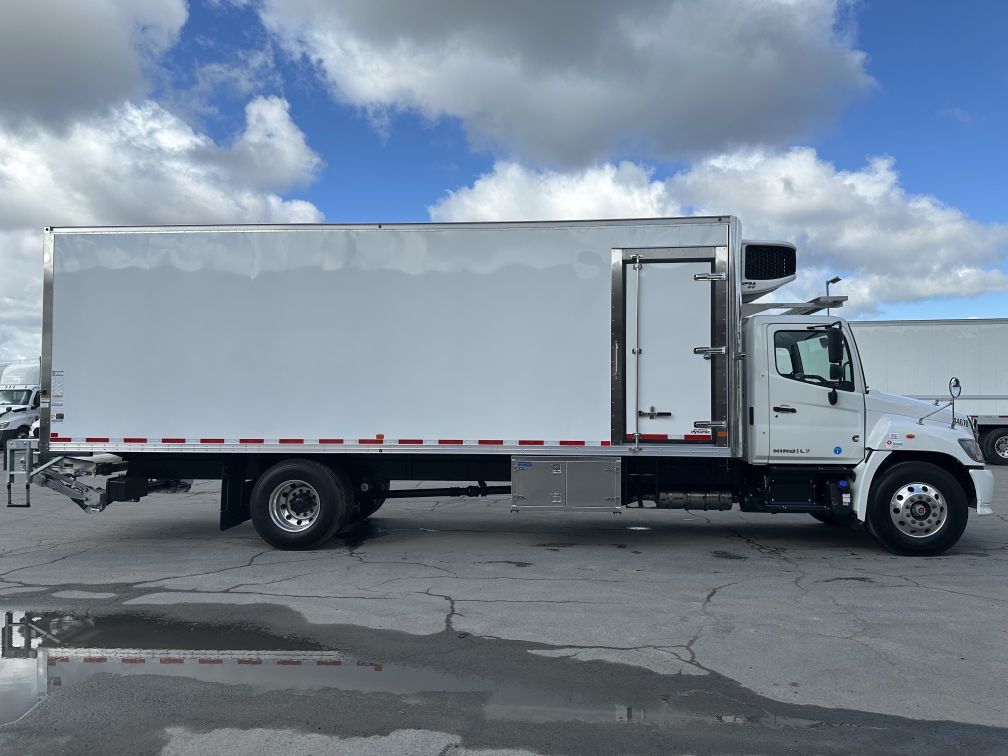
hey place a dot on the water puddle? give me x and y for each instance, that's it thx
(47, 652)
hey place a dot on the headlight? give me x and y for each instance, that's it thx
(4, 425)
(972, 448)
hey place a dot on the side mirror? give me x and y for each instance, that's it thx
(834, 346)
(835, 372)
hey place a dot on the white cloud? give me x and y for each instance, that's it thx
(135, 164)
(568, 83)
(891, 246)
(272, 151)
(62, 59)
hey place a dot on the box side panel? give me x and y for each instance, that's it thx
(447, 333)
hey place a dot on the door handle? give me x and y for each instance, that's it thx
(785, 408)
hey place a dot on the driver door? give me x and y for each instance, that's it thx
(804, 427)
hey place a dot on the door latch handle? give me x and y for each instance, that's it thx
(653, 413)
(709, 352)
(784, 408)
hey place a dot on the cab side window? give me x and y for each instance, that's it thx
(803, 356)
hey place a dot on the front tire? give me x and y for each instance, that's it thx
(994, 445)
(299, 504)
(917, 509)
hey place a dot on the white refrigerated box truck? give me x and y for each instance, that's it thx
(588, 364)
(916, 358)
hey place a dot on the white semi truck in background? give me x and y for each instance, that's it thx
(576, 365)
(20, 395)
(916, 357)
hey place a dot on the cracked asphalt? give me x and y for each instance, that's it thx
(570, 633)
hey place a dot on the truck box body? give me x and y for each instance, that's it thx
(495, 338)
(918, 357)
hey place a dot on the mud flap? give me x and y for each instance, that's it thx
(236, 492)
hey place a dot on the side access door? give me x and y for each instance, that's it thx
(806, 424)
(674, 339)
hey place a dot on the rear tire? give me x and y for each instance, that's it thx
(994, 445)
(299, 504)
(917, 509)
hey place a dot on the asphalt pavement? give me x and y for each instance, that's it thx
(456, 626)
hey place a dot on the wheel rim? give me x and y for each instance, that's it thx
(294, 506)
(1001, 447)
(918, 510)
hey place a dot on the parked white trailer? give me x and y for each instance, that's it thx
(917, 358)
(597, 364)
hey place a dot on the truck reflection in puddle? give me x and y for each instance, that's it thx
(43, 653)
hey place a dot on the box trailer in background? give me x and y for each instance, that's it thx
(917, 357)
(582, 364)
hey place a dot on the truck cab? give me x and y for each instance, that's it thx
(809, 406)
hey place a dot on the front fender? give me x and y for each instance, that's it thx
(895, 433)
(892, 438)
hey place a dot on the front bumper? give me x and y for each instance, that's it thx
(983, 482)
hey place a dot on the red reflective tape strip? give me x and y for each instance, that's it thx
(211, 440)
(55, 659)
(134, 660)
(649, 436)
(210, 661)
(491, 442)
(171, 660)
(95, 659)
(250, 661)
(572, 443)
(451, 441)
(697, 437)
(376, 667)
(96, 439)
(607, 443)
(411, 441)
(134, 440)
(289, 662)
(371, 441)
(251, 441)
(530, 442)
(328, 663)
(291, 440)
(330, 440)
(172, 440)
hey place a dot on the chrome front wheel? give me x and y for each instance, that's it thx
(918, 510)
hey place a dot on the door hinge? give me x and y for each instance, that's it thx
(710, 424)
(710, 277)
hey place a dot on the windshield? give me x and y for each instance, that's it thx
(15, 396)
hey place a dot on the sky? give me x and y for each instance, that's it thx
(870, 132)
